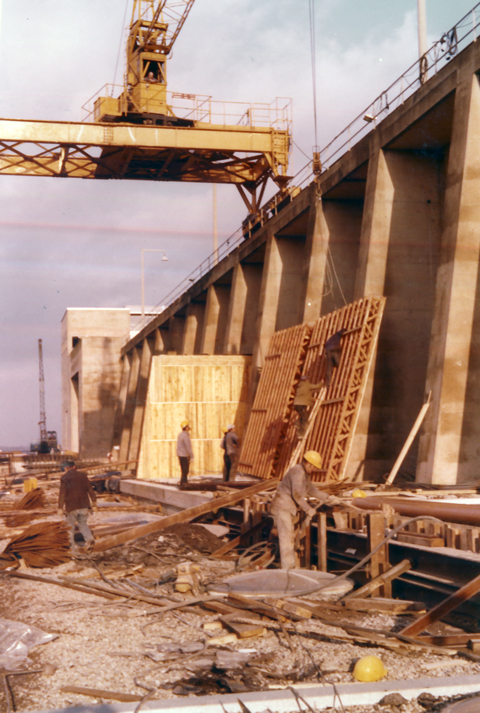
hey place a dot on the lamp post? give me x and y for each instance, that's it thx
(164, 258)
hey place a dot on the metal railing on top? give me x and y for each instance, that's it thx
(450, 43)
(276, 115)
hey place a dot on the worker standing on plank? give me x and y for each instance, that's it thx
(333, 353)
(302, 403)
(291, 494)
(184, 451)
(231, 453)
(75, 499)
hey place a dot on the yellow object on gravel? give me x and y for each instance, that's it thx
(369, 668)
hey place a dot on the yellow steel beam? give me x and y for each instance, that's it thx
(205, 152)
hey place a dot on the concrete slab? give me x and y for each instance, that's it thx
(284, 701)
(172, 499)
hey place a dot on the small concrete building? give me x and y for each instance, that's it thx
(91, 368)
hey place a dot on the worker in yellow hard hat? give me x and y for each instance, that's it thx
(291, 494)
(184, 451)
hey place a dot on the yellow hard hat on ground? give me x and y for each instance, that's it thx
(184, 423)
(314, 458)
(369, 668)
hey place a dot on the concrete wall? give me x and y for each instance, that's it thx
(91, 370)
(397, 215)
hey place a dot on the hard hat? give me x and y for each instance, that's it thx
(183, 424)
(303, 377)
(357, 493)
(369, 668)
(229, 428)
(225, 430)
(314, 458)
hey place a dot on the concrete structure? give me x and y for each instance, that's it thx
(397, 215)
(91, 370)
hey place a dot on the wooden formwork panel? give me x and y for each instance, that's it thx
(273, 401)
(208, 391)
(337, 413)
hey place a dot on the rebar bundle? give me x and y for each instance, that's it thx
(45, 544)
(34, 500)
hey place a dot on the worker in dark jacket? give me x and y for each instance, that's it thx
(231, 453)
(76, 498)
(333, 352)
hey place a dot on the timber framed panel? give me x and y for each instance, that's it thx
(273, 401)
(337, 412)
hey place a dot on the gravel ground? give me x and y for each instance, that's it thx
(121, 646)
(126, 646)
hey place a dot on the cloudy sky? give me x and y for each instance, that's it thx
(73, 243)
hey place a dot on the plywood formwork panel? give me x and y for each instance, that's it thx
(336, 414)
(273, 400)
(208, 391)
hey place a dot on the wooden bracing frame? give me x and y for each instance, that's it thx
(335, 413)
(273, 401)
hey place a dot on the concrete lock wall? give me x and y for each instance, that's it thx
(397, 215)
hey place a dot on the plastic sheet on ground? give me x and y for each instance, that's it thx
(16, 640)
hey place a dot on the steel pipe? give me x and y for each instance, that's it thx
(461, 513)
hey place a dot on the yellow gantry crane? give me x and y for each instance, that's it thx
(148, 133)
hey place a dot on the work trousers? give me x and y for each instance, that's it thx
(302, 421)
(230, 467)
(79, 518)
(285, 524)
(184, 467)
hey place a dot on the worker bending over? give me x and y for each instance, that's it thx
(302, 403)
(76, 497)
(184, 451)
(291, 494)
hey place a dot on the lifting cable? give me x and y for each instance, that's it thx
(311, 7)
(120, 43)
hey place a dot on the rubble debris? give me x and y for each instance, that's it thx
(16, 640)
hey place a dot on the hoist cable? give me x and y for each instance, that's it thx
(311, 4)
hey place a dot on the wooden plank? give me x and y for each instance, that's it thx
(222, 551)
(184, 516)
(394, 606)
(421, 539)
(243, 631)
(379, 561)
(449, 639)
(100, 693)
(322, 541)
(389, 575)
(452, 602)
(409, 441)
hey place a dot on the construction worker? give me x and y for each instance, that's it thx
(75, 499)
(291, 494)
(333, 352)
(302, 402)
(222, 446)
(231, 453)
(184, 451)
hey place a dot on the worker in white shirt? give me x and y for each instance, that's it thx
(184, 451)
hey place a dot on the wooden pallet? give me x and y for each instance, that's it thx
(273, 401)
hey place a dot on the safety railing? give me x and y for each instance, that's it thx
(202, 108)
(439, 54)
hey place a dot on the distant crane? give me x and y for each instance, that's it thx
(48, 439)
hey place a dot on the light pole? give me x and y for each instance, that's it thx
(164, 258)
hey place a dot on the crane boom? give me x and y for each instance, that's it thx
(43, 417)
(159, 26)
